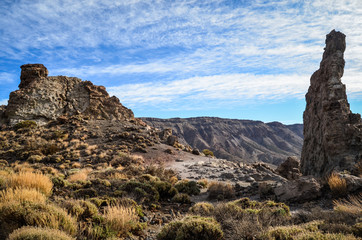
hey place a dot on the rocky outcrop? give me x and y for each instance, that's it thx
(303, 189)
(332, 133)
(236, 140)
(42, 98)
(290, 168)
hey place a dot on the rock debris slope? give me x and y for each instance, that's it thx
(42, 98)
(332, 133)
(237, 140)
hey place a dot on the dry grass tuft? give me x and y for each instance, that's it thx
(120, 218)
(21, 195)
(82, 175)
(337, 184)
(38, 181)
(28, 233)
(352, 205)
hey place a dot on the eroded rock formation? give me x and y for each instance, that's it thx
(42, 98)
(332, 133)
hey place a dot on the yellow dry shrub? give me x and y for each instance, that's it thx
(37, 181)
(82, 175)
(337, 184)
(352, 205)
(21, 195)
(120, 218)
(24, 167)
(28, 233)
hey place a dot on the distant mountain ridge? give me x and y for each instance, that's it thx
(237, 140)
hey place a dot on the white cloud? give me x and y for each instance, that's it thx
(4, 102)
(253, 50)
(232, 87)
(6, 78)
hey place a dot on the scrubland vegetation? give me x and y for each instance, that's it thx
(49, 194)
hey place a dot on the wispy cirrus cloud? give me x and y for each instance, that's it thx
(231, 87)
(6, 78)
(4, 102)
(261, 49)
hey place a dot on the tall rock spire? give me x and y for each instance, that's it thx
(332, 133)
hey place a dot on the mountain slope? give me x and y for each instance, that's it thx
(237, 140)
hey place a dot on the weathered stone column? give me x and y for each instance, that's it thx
(332, 133)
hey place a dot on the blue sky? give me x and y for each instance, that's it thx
(185, 58)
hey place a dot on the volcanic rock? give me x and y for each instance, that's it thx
(42, 98)
(303, 189)
(290, 168)
(332, 133)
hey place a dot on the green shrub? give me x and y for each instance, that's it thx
(192, 228)
(14, 215)
(35, 158)
(202, 209)
(189, 187)
(165, 189)
(308, 231)
(208, 152)
(85, 193)
(143, 192)
(27, 124)
(245, 219)
(35, 233)
(181, 198)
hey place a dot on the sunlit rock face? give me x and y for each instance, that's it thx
(42, 98)
(332, 133)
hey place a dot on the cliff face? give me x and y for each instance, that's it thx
(332, 133)
(42, 98)
(237, 140)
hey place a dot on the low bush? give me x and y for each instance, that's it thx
(36, 233)
(182, 198)
(192, 228)
(188, 187)
(165, 189)
(27, 124)
(38, 181)
(14, 215)
(312, 230)
(143, 192)
(246, 219)
(220, 191)
(80, 209)
(208, 153)
(202, 209)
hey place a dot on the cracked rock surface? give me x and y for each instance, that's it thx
(332, 133)
(42, 98)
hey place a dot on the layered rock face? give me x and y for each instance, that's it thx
(42, 98)
(236, 140)
(332, 133)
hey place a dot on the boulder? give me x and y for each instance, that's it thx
(354, 183)
(290, 168)
(332, 133)
(303, 189)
